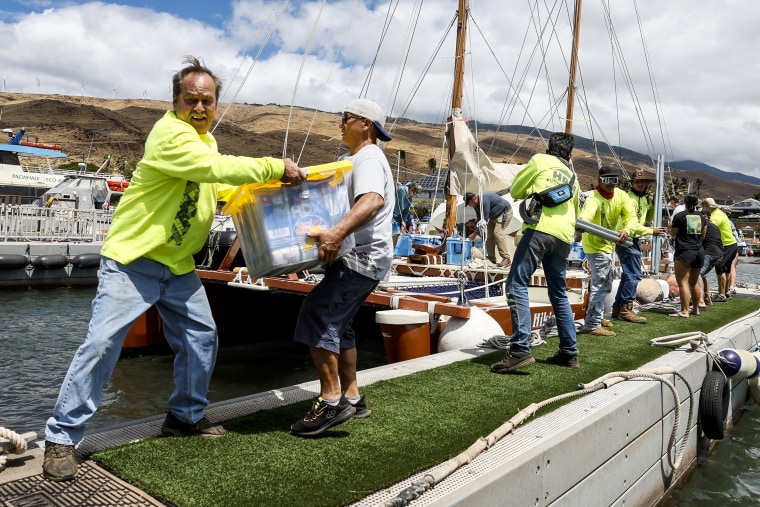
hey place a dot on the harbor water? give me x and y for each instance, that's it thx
(41, 329)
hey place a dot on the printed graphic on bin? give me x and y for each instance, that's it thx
(272, 219)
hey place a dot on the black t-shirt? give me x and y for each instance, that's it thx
(689, 225)
(712, 243)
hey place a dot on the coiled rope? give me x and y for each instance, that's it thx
(16, 444)
(419, 487)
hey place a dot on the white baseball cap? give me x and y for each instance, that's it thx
(372, 111)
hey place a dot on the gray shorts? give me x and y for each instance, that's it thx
(328, 311)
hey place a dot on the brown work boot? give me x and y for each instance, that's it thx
(600, 331)
(615, 312)
(607, 323)
(59, 462)
(626, 313)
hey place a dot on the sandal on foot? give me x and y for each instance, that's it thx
(679, 314)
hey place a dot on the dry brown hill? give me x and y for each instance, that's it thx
(91, 128)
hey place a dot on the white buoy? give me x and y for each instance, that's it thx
(649, 290)
(460, 333)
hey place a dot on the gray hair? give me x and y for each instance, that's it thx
(193, 66)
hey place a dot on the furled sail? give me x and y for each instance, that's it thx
(468, 164)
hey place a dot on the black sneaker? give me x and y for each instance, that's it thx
(513, 361)
(59, 463)
(562, 359)
(173, 427)
(322, 416)
(362, 412)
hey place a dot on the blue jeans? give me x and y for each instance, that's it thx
(601, 285)
(535, 247)
(124, 293)
(709, 262)
(630, 262)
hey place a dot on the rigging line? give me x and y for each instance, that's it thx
(250, 69)
(438, 180)
(482, 224)
(615, 156)
(535, 22)
(655, 91)
(316, 109)
(584, 102)
(501, 68)
(383, 33)
(509, 103)
(606, 7)
(552, 21)
(405, 50)
(628, 79)
(424, 72)
(298, 77)
(263, 26)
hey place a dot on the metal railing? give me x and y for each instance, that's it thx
(32, 223)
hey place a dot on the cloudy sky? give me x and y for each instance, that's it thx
(688, 91)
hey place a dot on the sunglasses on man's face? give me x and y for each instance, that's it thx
(609, 180)
(347, 117)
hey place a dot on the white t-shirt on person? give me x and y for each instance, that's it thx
(373, 253)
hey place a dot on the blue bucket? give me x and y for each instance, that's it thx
(403, 246)
(456, 248)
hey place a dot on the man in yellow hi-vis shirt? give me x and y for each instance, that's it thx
(612, 209)
(147, 259)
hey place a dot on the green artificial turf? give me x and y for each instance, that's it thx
(417, 421)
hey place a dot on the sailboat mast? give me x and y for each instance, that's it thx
(456, 103)
(573, 68)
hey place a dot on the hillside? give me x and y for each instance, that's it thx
(91, 128)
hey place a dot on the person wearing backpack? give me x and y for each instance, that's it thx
(630, 258)
(547, 238)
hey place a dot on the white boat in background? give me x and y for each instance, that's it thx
(56, 241)
(26, 170)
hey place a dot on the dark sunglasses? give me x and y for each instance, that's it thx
(347, 117)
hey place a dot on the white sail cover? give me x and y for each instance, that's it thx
(470, 164)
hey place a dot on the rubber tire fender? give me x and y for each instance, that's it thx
(713, 405)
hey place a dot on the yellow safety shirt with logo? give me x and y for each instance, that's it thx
(544, 171)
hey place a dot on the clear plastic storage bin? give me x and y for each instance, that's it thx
(272, 219)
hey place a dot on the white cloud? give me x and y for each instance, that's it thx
(701, 54)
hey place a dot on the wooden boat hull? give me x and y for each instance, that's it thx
(233, 301)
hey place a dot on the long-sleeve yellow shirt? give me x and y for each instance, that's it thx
(166, 212)
(615, 214)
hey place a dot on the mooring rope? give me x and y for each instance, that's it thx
(419, 487)
(17, 445)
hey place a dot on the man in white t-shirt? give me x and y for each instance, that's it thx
(324, 323)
